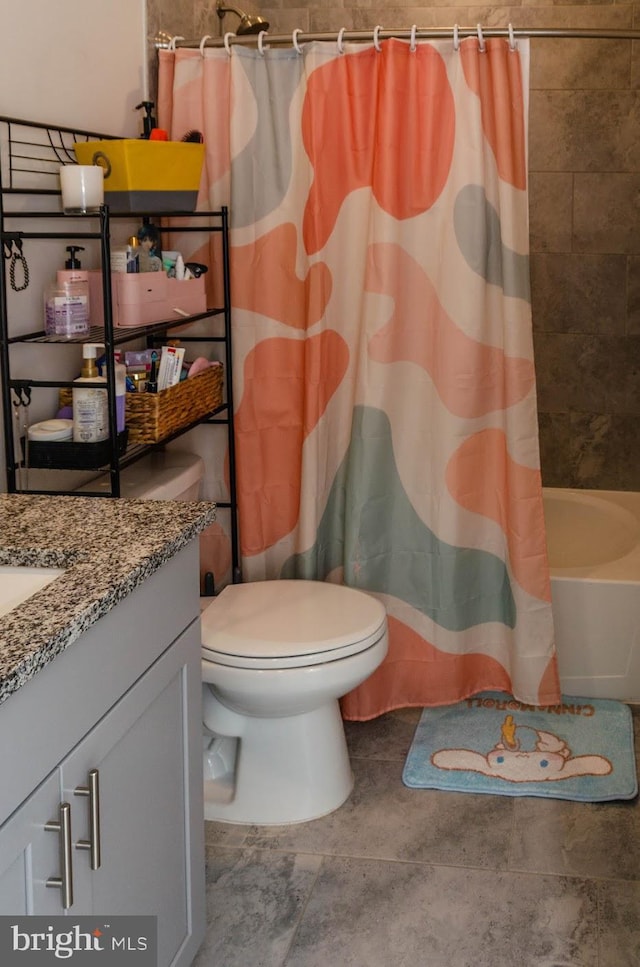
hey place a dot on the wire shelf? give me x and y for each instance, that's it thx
(32, 154)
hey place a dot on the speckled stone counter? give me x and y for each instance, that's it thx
(106, 547)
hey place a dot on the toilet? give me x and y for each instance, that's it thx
(276, 657)
(160, 475)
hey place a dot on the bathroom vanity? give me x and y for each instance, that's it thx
(100, 716)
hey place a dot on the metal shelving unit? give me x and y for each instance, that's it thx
(30, 157)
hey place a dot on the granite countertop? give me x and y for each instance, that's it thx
(107, 548)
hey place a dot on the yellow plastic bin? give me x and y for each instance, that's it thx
(146, 176)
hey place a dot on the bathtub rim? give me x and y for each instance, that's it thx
(624, 569)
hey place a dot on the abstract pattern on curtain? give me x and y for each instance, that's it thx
(386, 424)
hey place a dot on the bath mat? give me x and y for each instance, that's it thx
(490, 743)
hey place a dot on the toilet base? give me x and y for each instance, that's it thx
(280, 770)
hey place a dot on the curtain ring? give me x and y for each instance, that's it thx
(376, 38)
(513, 44)
(340, 41)
(294, 39)
(203, 42)
(172, 42)
(412, 45)
(481, 45)
(456, 38)
(227, 39)
(261, 37)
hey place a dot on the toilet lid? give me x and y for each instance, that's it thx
(284, 624)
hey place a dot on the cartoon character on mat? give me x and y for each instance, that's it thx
(528, 756)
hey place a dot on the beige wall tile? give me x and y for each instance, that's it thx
(633, 295)
(584, 131)
(550, 211)
(606, 213)
(575, 65)
(579, 293)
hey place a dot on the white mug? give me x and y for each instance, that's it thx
(82, 188)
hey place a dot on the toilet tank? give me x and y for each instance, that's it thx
(161, 475)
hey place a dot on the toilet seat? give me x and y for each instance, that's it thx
(289, 624)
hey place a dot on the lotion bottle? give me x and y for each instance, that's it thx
(90, 405)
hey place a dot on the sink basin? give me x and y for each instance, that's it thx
(19, 583)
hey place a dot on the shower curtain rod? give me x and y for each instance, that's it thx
(299, 37)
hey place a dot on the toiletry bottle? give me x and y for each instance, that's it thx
(73, 272)
(66, 310)
(152, 382)
(90, 406)
(132, 254)
(121, 393)
(120, 377)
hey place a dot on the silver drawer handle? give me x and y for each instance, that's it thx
(93, 843)
(63, 882)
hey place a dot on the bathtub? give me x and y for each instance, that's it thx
(593, 541)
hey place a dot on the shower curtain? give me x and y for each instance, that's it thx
(386, 427)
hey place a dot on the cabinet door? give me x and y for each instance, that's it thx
(141, 752)
(30, 855)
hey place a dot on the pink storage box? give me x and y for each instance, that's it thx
(189, 297)
(139, 299)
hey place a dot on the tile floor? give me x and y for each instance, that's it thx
(426, 878)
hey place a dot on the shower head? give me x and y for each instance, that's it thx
(249, 24)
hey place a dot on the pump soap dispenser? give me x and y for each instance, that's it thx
(73, 272)
(90, 405)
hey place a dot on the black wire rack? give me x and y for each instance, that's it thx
(32, 154)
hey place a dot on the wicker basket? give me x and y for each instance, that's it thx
(152, 417)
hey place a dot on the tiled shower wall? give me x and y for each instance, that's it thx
(584, 163)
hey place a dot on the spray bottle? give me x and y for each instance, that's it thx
(90, 404)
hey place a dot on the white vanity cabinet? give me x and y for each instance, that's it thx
(112, 727)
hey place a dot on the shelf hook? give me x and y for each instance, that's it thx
(22, 394)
